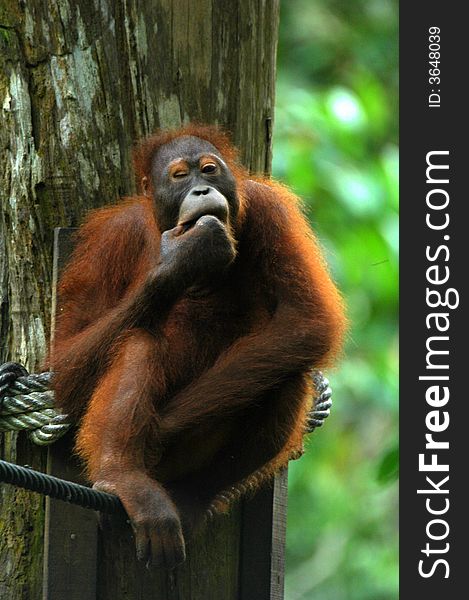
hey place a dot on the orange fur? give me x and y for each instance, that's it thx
(207, 378)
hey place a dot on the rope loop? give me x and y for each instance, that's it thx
(27, 403)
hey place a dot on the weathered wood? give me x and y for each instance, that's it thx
(21, 527)
(79, 82)
(70, 532)
(70, 537)
(263, 530)
(211, 570)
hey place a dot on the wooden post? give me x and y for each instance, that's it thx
(239, 556)
(70, 533)
(263, 526)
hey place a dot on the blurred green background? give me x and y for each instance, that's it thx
(335, 144)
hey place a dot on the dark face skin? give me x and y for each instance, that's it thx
(196, 207)
(191, 179)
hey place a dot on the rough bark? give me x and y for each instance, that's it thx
(80, 80)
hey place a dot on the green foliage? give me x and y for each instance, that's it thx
(335, 144)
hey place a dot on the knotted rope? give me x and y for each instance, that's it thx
(27, 403)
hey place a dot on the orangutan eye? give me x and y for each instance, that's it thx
(179, 174)
(209, 168)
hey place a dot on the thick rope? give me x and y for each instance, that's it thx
(58, 488)
(27, 403)
(323, 402)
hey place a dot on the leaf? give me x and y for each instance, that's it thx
(388, 469)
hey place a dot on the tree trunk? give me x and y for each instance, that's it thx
(80, 81)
